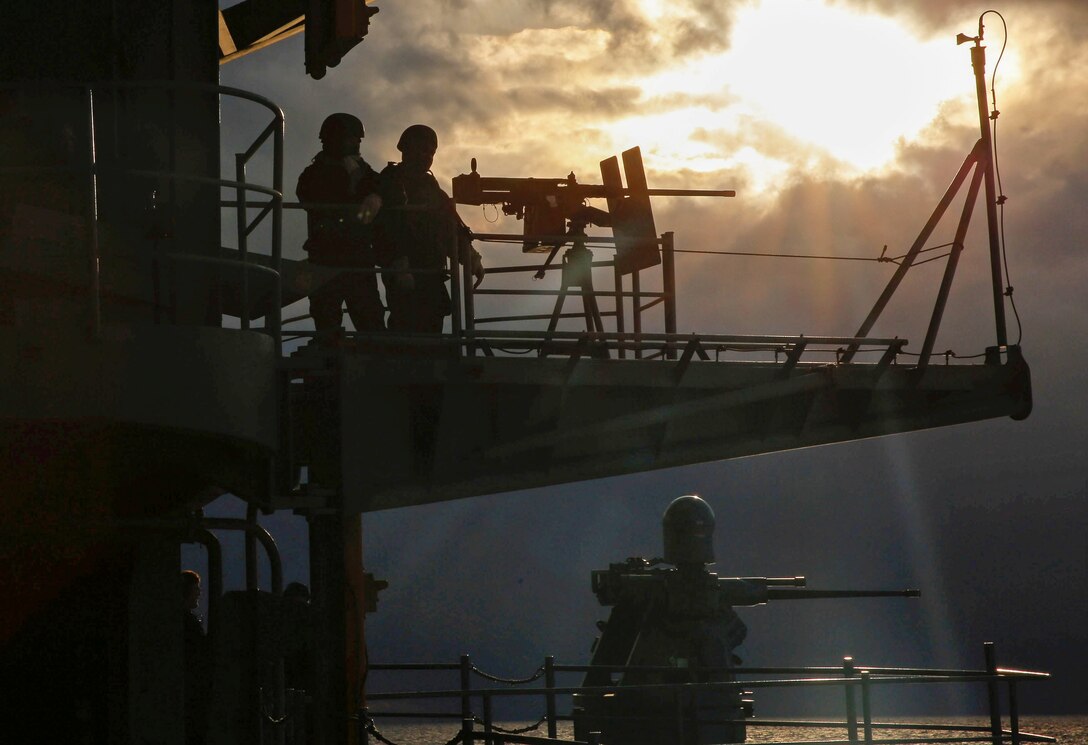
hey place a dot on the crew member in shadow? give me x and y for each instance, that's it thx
(416, 233)
(339, 192)
(197, 660)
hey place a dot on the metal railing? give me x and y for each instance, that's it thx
(469, 335)
(856, 682)
(86, 164)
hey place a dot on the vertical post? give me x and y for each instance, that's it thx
(992, 692)
(466, 686)
(215, 577)
(274, 316)
(470, 299)
(242, 216)
(467, 737)
(978, 64)
(636, 312)
(354, 590)
(618, 283)
(328, 610)
(456, 303)
(92, 220)
(251, 548)
(1014, 713)
(851, 709)
(866, 708)
(549, 683)
(487, 716)
(668, 281)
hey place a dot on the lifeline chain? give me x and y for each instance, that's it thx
(510, 681)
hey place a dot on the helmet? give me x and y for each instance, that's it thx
(418, 134)
(688, 525)
(340, 125)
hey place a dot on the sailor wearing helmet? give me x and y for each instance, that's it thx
(418, 230)
(339, 192)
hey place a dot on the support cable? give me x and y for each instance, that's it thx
(879, 259)
(882, 259)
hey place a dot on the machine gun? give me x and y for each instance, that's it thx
(637, 581)
(547, 204)
(676, 625)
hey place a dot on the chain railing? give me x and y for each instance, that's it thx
(857, 683)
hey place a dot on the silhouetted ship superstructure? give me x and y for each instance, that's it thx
(129, 404)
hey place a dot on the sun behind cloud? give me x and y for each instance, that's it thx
(843, 88)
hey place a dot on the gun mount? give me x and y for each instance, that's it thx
(677, 625)
(546, 205)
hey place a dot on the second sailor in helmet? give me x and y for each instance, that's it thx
(414, 243)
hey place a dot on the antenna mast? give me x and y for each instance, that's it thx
(978, 64)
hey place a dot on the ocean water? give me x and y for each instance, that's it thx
(1069, 730)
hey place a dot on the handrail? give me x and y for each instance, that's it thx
(92, 169)
(849, 677)
(579, 342)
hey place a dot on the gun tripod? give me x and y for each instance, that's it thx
(577, 272)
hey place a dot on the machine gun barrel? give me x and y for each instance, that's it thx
(804, 594)
(778, 581)
(689, 192)
(759, 590)
(499, 190)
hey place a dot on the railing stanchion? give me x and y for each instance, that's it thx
(1014, 713)
(618, 290)
(488, 723)
(851, 709)
(468, 282)
(549, 683)
(866, 707)
(275, 318)
(466, 686)
(243, 233)
(455, 270)
(992, 692)
(668, 279)
(636, 311)
(467, 736)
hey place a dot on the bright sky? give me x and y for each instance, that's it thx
(838, 83)
(800, 85)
